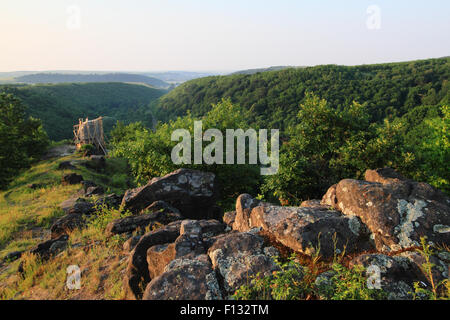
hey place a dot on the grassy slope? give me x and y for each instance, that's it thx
(25, 217)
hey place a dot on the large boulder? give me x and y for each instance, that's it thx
(306, 229)
(192, 192)
(137, 275)
(244, 205)
(185, 279)
(397, 211)
(239, 256)
(141, 222)
(193, 241)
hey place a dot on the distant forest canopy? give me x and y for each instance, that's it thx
(274, 97)
(60, 106)
(50, 78)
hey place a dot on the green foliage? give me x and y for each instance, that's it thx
(59, 106)
(22, 139)
(273, 97)
(327, 145)
(435, 292)
(149, 152)
(295, 282)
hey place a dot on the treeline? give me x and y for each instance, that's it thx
(273, 97)
(60, 106)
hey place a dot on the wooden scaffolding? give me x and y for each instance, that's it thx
(90, 132)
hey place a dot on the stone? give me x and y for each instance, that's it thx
(71, 178)
(305, 229)
(229, 218)
(237, 257)
(66, 165)
(66, 224)
(189, 244)
(192, 192)
(398, 212)
(185, 279)
(313, 204)
(396, 274)
(131, 243)
(329, 199)
(137, 275)
(244, 205)
(132, 223)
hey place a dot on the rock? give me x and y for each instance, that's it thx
(384, 176)
(229, 218)
(87, 184)
(160, 206)
(111, 201)
(12, 256)
(399, 212)
(239, 256)
(397, 274)
(185, 279)
(313, 204)
(301, 228)
(244, 205)
(329, 199)
(132, 223)
(192, 192)
(50, 247)
(440, 271)
(94, 191)
(189, 244)
(137, 275)
(71, 178)
(81, 206)
(66, 224)
(131, 243)
(66, 165)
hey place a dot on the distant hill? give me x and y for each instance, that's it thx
(274, 97)
(178, 76)
(59, 106)
(253, 71)
(39, 78)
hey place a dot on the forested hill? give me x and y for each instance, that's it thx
(274, 96)
(60, 106)
(77, 78)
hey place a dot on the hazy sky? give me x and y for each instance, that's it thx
(145, 35)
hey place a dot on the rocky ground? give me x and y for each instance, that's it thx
(180, 245)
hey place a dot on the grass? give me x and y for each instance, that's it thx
(26, 214)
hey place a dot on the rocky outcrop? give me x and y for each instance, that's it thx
(185, 279)
(137, 275)
(397, 211)
(239, 256)
(193, 192)
(307, 230)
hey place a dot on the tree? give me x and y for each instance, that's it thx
(22, 140)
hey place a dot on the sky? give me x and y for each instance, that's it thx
(217, 35)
